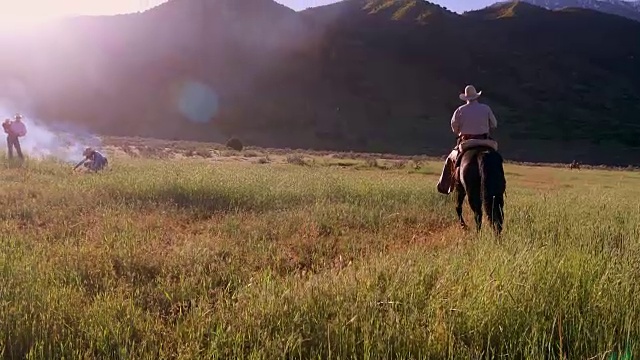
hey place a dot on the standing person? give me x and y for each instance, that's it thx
(15, 129)
(471, 121)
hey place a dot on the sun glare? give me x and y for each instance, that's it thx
(25, 14)
(20, 23)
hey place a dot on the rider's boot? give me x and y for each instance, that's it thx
(445, 183)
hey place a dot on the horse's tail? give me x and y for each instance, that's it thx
(493, 185)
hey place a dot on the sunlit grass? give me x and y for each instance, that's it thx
(196, 259)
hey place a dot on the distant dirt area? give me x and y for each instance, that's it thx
(125, 147)
(165, 149)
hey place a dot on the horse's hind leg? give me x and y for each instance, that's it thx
(475, 203)
(494, 207)
(460, 194)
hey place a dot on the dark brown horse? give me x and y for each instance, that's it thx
(481, 178)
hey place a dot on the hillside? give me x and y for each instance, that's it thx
(362, 75)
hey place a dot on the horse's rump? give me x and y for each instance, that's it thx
(481, 174)
(476, 154)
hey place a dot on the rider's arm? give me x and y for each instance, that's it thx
(493, 122)
(80, 163)
(455, 122)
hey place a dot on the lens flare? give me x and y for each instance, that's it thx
(197, 102)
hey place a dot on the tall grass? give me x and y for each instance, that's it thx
(187, 259)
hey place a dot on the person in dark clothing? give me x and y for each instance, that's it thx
(93, 160)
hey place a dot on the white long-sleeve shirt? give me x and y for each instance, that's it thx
(473, 118)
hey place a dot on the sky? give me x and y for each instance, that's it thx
(26, 12)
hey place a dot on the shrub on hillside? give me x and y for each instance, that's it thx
(235, 144)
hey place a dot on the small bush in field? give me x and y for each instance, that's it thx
(371, 162)
(204, 153)
(296, 159)
(235, 144)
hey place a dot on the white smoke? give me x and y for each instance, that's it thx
(64, 142)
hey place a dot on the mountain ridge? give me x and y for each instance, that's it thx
(627, 9)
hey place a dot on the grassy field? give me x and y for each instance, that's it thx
(263, 256)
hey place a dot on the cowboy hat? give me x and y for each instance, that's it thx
(470, 93)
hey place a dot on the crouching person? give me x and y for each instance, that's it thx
(93, 160)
